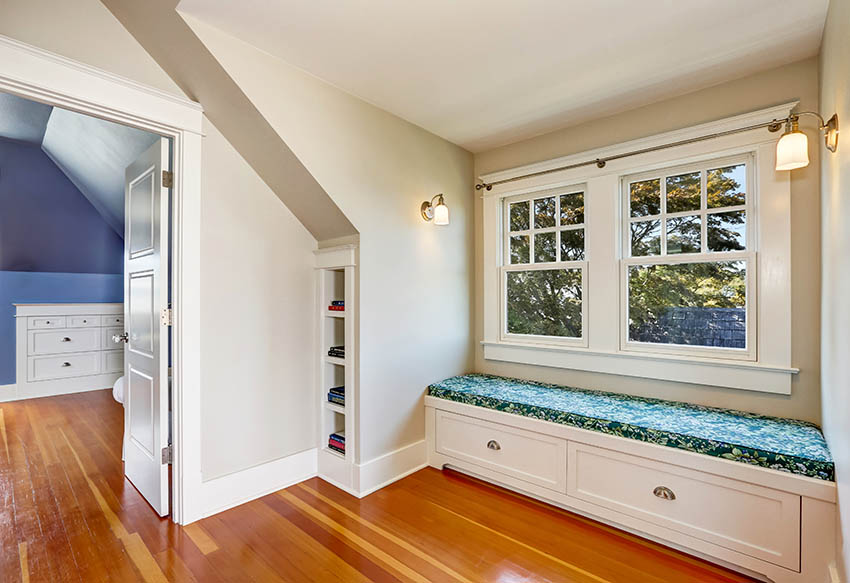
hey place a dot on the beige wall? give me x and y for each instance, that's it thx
(257, 319)
(257, 400)
(415, 278)
(835, 241)
(794, 81)
(83, 30)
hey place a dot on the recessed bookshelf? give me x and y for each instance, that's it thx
(336, 359)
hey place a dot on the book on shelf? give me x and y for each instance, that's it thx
(338, 303)
(337, 351)
(336, 399)
(340, 390)
(332, 447)
(336, 441)
(336, 308)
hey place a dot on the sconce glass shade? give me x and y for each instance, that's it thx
(792, 151)
(441, 214)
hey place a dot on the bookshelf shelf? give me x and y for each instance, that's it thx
(336, 276)
(334, 407)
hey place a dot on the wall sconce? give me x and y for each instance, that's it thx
(792, 149)
(439, 213)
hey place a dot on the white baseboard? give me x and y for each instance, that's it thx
(231, 490)
(390, 467)
(8, 392)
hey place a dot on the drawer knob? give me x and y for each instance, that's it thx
(66, 339)
(66, 364)
(664, 493)
(494, 445)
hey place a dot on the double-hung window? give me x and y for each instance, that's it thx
(689, 261)
(544, 276)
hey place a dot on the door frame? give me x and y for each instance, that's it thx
(40, 75)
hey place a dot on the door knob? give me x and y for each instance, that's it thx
(121, 338)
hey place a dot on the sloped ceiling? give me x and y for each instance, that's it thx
(91, 152)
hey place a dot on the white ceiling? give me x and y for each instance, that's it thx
(91, 152)
(482, 73)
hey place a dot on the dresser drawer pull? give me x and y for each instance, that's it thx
(664, 493)
(66, 339)
(494, 445)
(66, 364)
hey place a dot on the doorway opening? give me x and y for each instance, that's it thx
(86, 285)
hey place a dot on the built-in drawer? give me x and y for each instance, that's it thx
(112, 320)
(43, 368)
(112, 361)
(525, 455)
(107, 343)
(747, 518)
(41, 322)
(62, 341)
(83, 321)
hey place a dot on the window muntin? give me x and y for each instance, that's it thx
(688, 260)
(544, 269)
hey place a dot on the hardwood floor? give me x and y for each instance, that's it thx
(69, 515)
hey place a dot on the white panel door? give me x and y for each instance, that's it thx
(146, 418)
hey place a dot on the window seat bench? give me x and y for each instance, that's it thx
(750, 492)
(781, 444)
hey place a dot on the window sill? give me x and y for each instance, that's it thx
(734, 374)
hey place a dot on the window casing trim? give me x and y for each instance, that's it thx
(772, 369)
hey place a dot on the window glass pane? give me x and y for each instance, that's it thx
(683, 192)
(645, 198)
(684, 235)
(572, 245)
(520, 249)
(545, 247)
(693, 304)
(646, 238)
(727, 231)
(727, 186)
(519, 216)
(544, 212)
(572, 208)
(545, 302)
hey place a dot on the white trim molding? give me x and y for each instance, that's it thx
(768, 367)
(222, 493)
(43, 76)
(390, 467)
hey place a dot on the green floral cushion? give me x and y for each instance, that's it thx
(781, 444)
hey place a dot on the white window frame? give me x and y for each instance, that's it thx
(705, 256)
(507, 266)
(766, 368)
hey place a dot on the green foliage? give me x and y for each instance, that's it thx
(545, 302)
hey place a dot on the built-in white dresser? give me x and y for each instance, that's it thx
(67, 348)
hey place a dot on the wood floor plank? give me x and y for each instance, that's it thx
(69, 514)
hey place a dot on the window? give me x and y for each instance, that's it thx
(543, 267)
(688, 260)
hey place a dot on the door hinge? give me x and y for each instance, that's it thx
(168, 454)
(167, 179)
(166, 317)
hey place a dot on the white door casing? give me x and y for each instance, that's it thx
(146, 398)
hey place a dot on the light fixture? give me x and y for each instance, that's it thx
(792, 149)
(439, 213)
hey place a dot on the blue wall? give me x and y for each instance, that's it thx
(21, 287)
(54, 246)
(46, 224)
